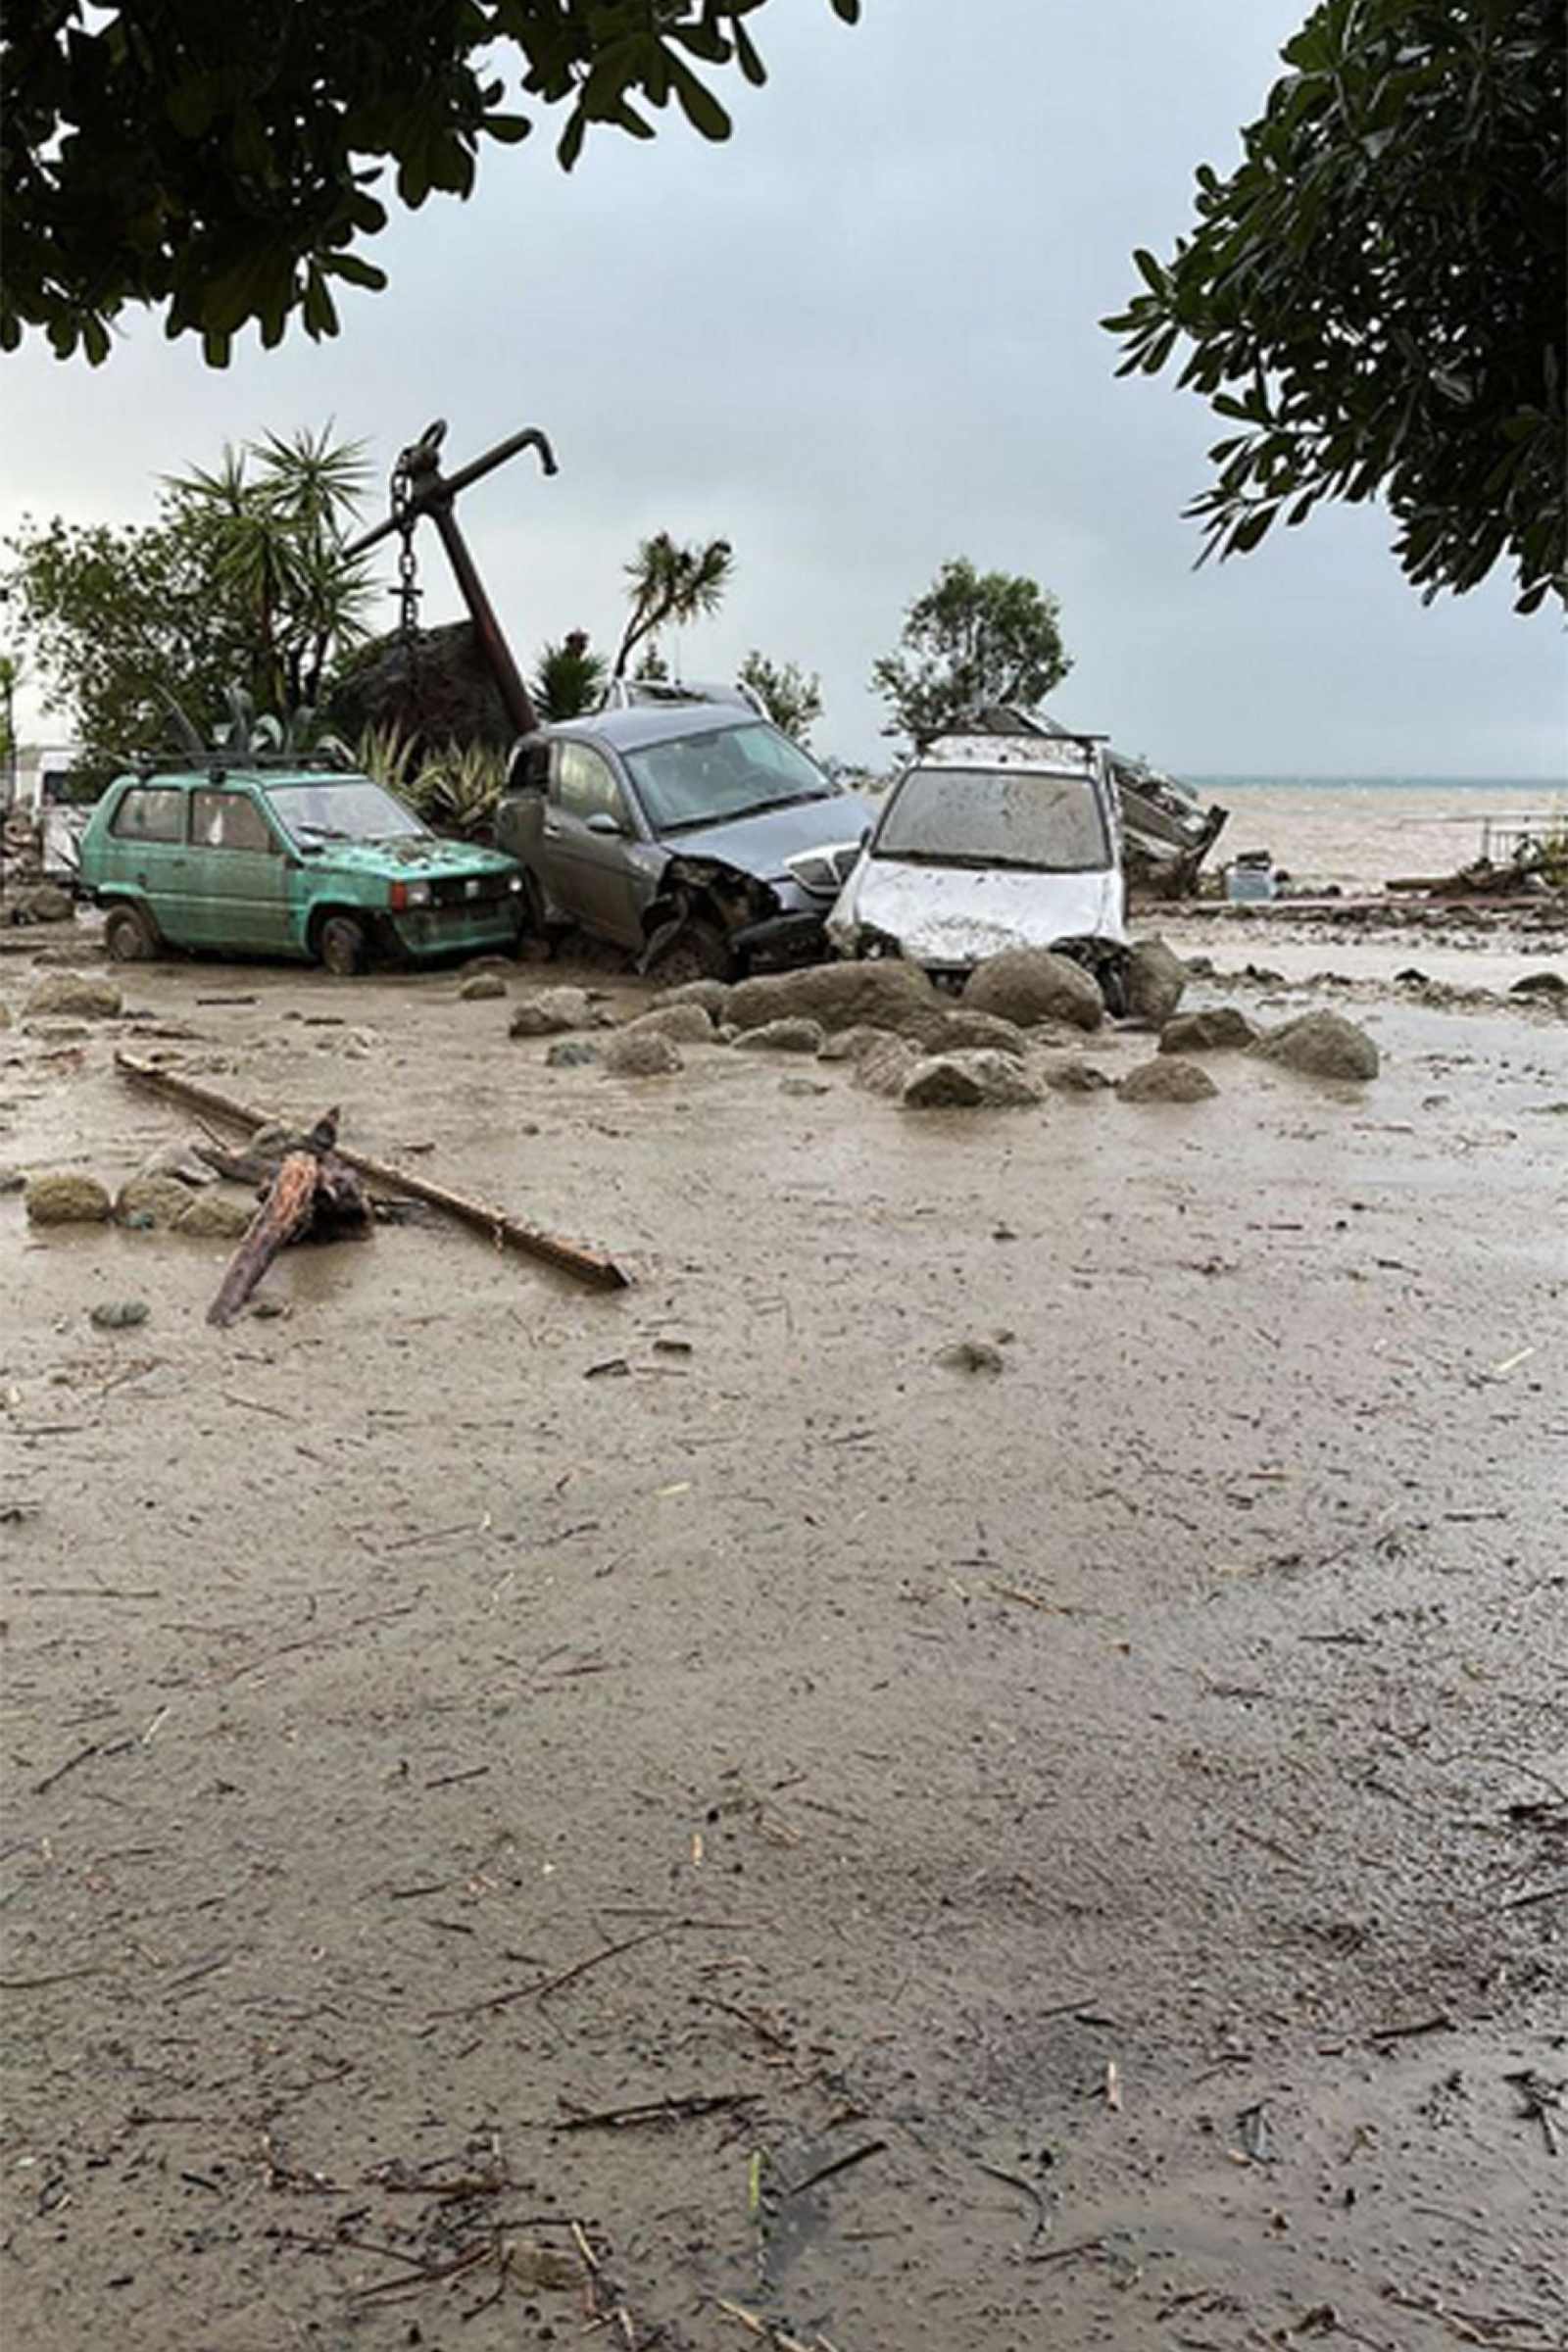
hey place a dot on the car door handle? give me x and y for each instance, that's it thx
(552, 832)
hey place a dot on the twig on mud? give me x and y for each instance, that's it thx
(840, 2164)
(1082, 2245)
(1542, 1895)
(749, 2017)
(1442, 2022)
(69, 1765)
(759, 2327)
(676, 2108)
(567, 1975)
(64, 1976)
(1537, 2098)
(396, 2290)
(283, 2175)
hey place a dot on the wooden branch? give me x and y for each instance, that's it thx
(311, 1192)
(507, 1233)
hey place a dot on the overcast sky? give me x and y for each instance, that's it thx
(855, 341)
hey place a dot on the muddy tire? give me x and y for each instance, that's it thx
(130, 936)
(342, 947)
(696, 950)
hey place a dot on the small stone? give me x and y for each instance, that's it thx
(63, 1200)
(1076, 1076)
(1026, 985)
(689, 1024)
(72, 993)
(181, 1161)
(47, 904)
(551, 1012)
(710, 995)
(803, 1087)
(885, 1067)
(972, 1355)
(215, 1217)
(480, 985)
(570, 1053)
(1323, 1045)
(268, 1309)
(1154, 981)
(152, 1200)
(1540, 984)
(1205, 1032)
(634, 1054)
(12, 1179)
(119, 1314)
(796, 1035)
(982, 1081)
(1167, 1081)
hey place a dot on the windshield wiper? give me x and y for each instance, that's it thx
(323, 832)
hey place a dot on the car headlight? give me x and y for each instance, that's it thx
(409, 893)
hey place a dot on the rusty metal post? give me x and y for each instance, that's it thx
(432, 493)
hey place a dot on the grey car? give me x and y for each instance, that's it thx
(700, 837)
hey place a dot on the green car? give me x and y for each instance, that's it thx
(287, 860)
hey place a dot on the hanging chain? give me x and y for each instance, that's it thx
(408, 587)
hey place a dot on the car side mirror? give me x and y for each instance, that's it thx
(602, 822)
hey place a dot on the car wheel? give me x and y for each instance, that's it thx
(341, 946)
(691, 949)
(130, 935)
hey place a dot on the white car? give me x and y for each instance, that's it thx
(989, 841)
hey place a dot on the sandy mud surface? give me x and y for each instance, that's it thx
(691, 1816)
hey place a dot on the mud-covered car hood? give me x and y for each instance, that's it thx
(954, 917)
(425, 855)
(762, 845)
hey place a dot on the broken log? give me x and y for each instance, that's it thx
(312, 1194)
(507, 1233)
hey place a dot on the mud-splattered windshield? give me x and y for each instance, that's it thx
(342, 808)
(723, 772)
(995, 816)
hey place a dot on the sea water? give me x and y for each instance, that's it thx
(1361, 832)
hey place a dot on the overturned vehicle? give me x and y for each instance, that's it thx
(997, 837)
(697, 835)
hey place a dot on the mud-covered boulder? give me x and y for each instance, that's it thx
(1026, 985)
(152, 1200)
(640, 1053)
(850, 1045)
(838, 995)
(570, 1053)
(63, 1198)
(986, 1080)
(1323, 1045)
(45, 903)
(215, 1216)
(1075, 1076)
(712, 994)
(481, 985)
(885, 1066)
(551, 1012)
(73, 993)
(1155, 979)
(958, 1029)
(1168, 1080)
(1218, 1027)
(687, 1023)
(793, 1036)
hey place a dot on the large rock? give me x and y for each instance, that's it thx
(1206, 1032)
(1322, 1044)
(793, 1036)
(886, 1065)
(712, 994)
(65, 1199)
(852, 1045)
(152, 1200)
(958, 1029)
(1034, 984)
(551, 1012)
(688, 1023)
(838, 995)
(1167, 1081)
(439, 689)
(74, 993)
(640, 1053)
(986, 1080)
(215, 1216)
(1154, 981)
(1075, 1076)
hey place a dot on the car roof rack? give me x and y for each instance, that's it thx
(222, 761)
(1010, 718)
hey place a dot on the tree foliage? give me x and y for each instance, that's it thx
(569, 679)
(671, 585)
(793, 695)
(1376, 297)
(974, 638)
(239, 581)
(220, 163)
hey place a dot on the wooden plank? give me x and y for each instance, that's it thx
(575, 1259)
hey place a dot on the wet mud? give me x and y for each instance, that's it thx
(1007, 1701)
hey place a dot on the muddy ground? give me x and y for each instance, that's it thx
(1087, 1844)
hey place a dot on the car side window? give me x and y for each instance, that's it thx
(586, 785)
(228, 820)
(150, 813)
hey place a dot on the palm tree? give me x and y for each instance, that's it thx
(671, 584)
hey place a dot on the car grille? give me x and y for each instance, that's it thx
(824, 873)
(468, 889)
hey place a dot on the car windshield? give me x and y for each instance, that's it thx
(342, 808)
(723, 772)
(996, 816)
